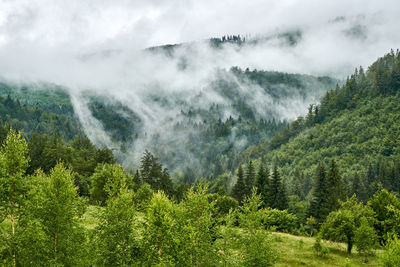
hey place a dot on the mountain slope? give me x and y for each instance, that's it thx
(357, 125)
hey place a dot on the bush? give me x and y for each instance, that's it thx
(279, 220)
(391, 255)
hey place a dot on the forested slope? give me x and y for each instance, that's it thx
(357, 125)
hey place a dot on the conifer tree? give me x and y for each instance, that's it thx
(239, 190)
(358, 188)
(318, 205)
(262, 184)
(249, 178)
(277, 193)
(335, 187)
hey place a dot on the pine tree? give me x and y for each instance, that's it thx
(249, 178)
(238, 190)
(277, 192)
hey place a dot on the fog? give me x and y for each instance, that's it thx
(99, 48)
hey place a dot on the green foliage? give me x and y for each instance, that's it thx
(239, 189)
(31, 117)
(143, 196)
(365, 238)
(277, 198)
(160, 241)
(116, 238)
(107, 181)
(391, 255)
(152, 173)
(342, 225)
(387, 209)
(280, 220)
(195, 229)
(58, 208)
(256, 248)
(13, 187)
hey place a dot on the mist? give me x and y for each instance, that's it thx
(98, 48)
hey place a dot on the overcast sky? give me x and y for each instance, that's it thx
(115, 23)
(32, 31)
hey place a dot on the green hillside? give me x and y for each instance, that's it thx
(357, 125)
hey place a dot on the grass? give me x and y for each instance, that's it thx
(293, 250)
(298, 251)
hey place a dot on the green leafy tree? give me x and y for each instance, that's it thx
(391, 254)
(107, 180)
(13, 185)
(117, 237)
(160, 240)
(255, 245)
(58, 207)
(342, 225)
(365, 238)
(195, 226)
(386, 206)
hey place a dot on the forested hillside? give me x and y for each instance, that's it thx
(356, 125)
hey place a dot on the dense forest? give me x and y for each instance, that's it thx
(331, 175)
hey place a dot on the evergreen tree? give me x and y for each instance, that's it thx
(239, 189)
(358, 188)
(249, 178)
(277, 192)
(262, 184)
(151, 172)
(318, 205)
(335, 187)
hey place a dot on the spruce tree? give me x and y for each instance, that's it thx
(262, 184)
(335, 187)
(249, 178)
(277, 193)
(318, 205)
(358, 188)
(239, 190)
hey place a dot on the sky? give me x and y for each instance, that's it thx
(59, 30)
